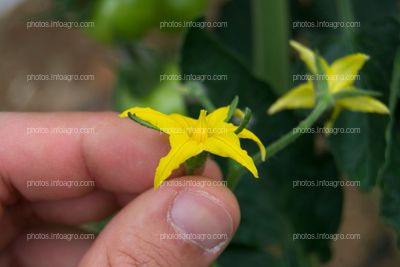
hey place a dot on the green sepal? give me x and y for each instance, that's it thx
(355, 92)
(232, 108)
(321, 85)
(195, 164)
(142, 122)
(245, 121)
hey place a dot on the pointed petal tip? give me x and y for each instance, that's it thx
(293, 43)
(156, 185)
(364, 56)
(386, 110)
(254, 171)
(272, 110)
(263, 156)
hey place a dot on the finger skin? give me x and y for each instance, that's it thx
(119, 155)
(132, 238)
(91, 207)
(36, 247)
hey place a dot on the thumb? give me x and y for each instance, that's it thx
(175, 225)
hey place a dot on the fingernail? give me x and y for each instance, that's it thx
(201, 219)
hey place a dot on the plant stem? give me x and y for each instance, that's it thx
(236, 170)
(293, 135)
(346, 14)
(198, 91)
(270, 39)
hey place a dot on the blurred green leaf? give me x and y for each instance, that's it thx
(390, 202)
(237, 256)
(364, 162)
(390, 172)
(237, 35)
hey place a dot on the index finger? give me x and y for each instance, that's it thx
(40, 150)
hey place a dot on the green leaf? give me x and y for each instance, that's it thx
(390, 171)
(237, 36)
(390, 202)
(238, 256)
(363, 164)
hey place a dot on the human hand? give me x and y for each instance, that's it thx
(121, 158)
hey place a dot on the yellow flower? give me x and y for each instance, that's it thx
(189, 137)
(340, 76)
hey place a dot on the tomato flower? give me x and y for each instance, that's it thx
(189, 137)
(340, 76)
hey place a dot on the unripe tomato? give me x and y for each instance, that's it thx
(124, 19)
(183, 10)
(133, 18)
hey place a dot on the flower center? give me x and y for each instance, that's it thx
(200, 131)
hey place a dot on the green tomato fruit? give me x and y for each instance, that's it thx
(124, 19)
(133, 18)
(183, 10)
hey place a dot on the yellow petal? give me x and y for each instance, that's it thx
(249, 135)
(308, 57)
(182, 148)
(228, 145)
(201, 130)
(162, 121)
(363, 104)
(301, 96)
(217, 116)
(186, 122)
(345, 70)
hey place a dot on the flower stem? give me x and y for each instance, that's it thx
(345, 11)
(271, 55)
(198, 91)
(236, 170)
(296, 132)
